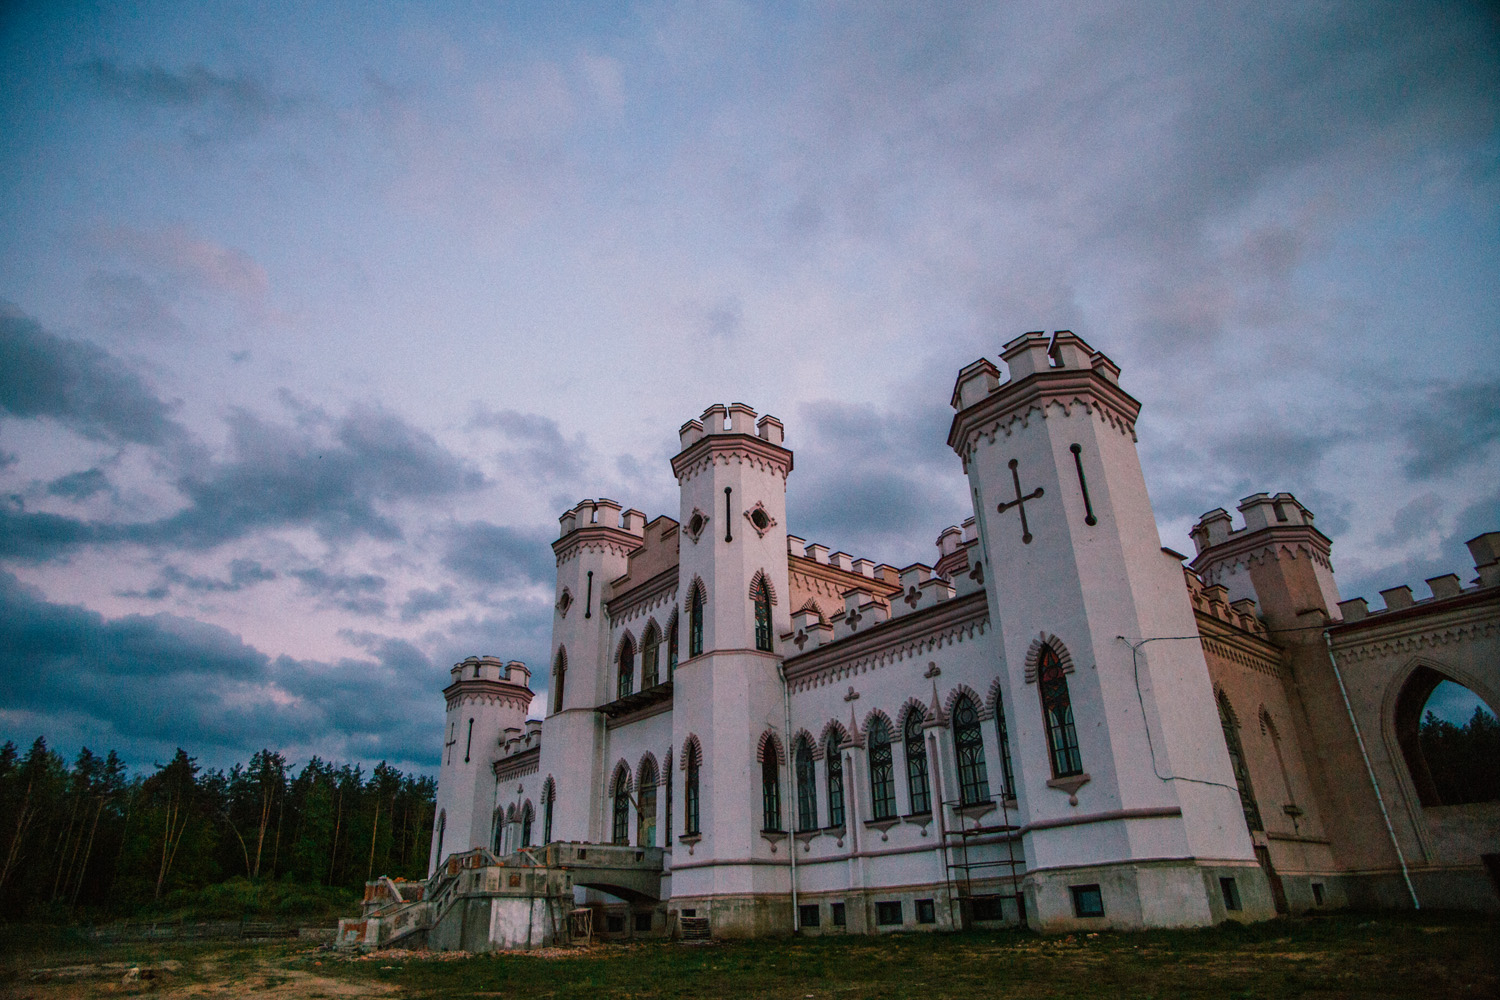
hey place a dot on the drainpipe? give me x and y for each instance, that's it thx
(1370, 770)
(791, 785)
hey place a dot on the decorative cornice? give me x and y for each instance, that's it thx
(1415, 634)
(485, 692)
(596, 538)
(1251, 548)
(1235, 645)
(519, 765)
(891, 641)
(644, 596)
(724, 449)
(1037, 393)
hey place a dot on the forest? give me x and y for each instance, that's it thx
(92, 842)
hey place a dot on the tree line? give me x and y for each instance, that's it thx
(93, 838)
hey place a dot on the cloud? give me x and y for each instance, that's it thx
(213, 105)
(421, 601)
(539, 451)
(185, 257)
(77, 384)
(492, 553)
(357, 593)
(1450, 427)
(79, 485)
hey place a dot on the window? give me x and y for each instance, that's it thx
(548, 794)
(627, 668)
(807, 796)
(888, 913)
(770, 785)
(650, 655)
(642, 922)
(835, 781)
(761, 595)
(986, 908)
(497, 838)
(836, 914)
(672, 646)
(1317, 890)
(1087, 901)
(808, 915)
(882, 779)
(926, 912)
(1237, 761)
(645, 824)
(615, 923)
(695, 622)
(442, 828)
(1450, 753)
(973, 777)
(669, 799)
(469, 744)
(527, 815)
(622, 808)
(916, 764)
(690, 792)
(559, 671)
(1230, 892)
(1057, 711)
(1007, 773)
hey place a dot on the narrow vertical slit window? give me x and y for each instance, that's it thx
(695, 622)
(621, 829)
(1057, 711)
(690, 794)
(770, 784)
(807, 796)
(761, 595)
(626, 682)
(650, 657)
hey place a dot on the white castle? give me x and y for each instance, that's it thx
(1058, 722)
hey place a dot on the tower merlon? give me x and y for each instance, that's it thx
(1026, 355)
(741, 419)
(949, 541)
(607, 512)
(713, 418)
(796, 546)
(768, 428)
(1068, 350)
(975, 382)
(1485, 549)
(634, 521)
(841, 560)
(864, 567)
(690, 433)
(817, 552)
(517, 672)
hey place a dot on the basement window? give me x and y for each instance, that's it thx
(888, 913)
(836, 914)
(808, 915)
(642, 922)
(1230, 892)
(1087, 901)
(1317, 889)
(926, 912)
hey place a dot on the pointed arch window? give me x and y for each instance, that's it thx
(835, 769)
(645, 823)
(621, 831)
(695, 622)
(626, 682)
(672, 646)
(497, 836)
(559, 672)
(1231, 726)
(760, 594)
(690, 794)
(882, 771)
(1057, 712)
(1007, 772)
(770, 789)
(916, 764)
(549, 793)
(650, 657)
(968, 741)
(527, 815)
(806, 778)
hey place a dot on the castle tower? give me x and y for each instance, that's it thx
(484, 698)
(1125, 789)
(732, 472)
(593, 549)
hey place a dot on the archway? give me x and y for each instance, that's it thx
(1450, 739)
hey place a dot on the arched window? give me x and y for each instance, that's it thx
(549, 794)
(882, 777)
(807, 795)
(668, 843)
(1231, 727)
(916, 764)
(835, 768)
(627, 668)
(690, 792)
(650, 655)
(1007, 773)
(442, 828)
(1057, 711)
(968, 741)
(695, 622)
(621, 832)
(497, 836)
(527, 815)
(559, 672)
(760, 594)
(770, 786)
(645, 820)
(1451, 763)
(672, 646)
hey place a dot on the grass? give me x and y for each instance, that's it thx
(1347, 955)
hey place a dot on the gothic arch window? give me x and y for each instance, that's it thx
(806, 779)
(645, 823)
(650, 656)
(621, 832)
(1231, 725)
(691, 802)
(549, 795)
(695, 619)
(882, 771)
(672, 645)
(917, 787)
(626, 682)
(1268, 726)
(559, 672)
(497, 832)
(1450, 763)
(1057, 713)
(527, 816)
(968, 742)
(760, 596)
(1007, 771)
(770, 785)
(834, 767)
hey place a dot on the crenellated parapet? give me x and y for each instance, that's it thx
(1056, 375)
(1213, 600)
(728, 435)
(487, 680)
(599, 526)
(1485, 549)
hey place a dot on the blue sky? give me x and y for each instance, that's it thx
(315, 317)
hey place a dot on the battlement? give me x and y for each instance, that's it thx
(1485, 549)
(1025, 356)
(491, 668)
(515, 740)
(602, 513)
(736, 418)
(1259, 512)
(1213, 600)
(800, 548)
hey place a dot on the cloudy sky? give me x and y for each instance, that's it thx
(314, 317)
